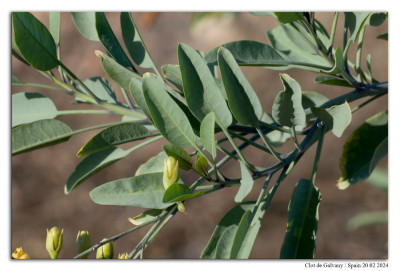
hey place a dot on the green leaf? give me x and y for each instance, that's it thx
(235, 234)
(133, 41)
(29, 107)
(54, 25)
(153, 165)
(242, 99)
(287, 109)
(179, 192)
(288, 17)
(101, 88)
(144, 191)
(114, 135)
(354, 22)
(249, 53)
(363, 150)
(246, 184)
(135, 88)
(145, 217)
(377, 18)
(336, 118)
(167, 116)
(39, 134)
(201, 91)
(173, 74)
(328, 80)
(297, 47)
(85, 22)
(121, 75)
(207, 134)
(311, 98)
(379, 178)
(367, 219)
(92, 164)
(276, 137)
(34, 41)
(302, 226)
(110, 42)
(184, 159)
(384, 36)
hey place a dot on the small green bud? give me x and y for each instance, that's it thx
(201, 164)
(54, 241)
(83, 242)
(124, 256)
(106, 251)
(171, 171)
(181, 207)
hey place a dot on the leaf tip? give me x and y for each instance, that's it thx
(343, 184)
(98, 53)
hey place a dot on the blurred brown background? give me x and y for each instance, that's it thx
(38, 177)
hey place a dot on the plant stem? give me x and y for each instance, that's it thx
(355, 109)
(296, 143)
(268, 145)
(359, 53)
(237, 149)
(72, 112)
(333, 31)
(318, 153)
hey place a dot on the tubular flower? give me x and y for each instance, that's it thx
(83, 242)
(54, 241)
(106, 251)
(171, 171)
(124, 256)
(20, 254)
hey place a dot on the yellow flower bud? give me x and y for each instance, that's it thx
(20, 254)
(54, 241)
(201, 164)
(171, 171)
(124, 256)
(83, 242)
(181, 207)
(106, 251)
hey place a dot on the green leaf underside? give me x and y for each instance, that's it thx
(276, 137)
(135, 88)
(246, 184)
(297, 46)
(363, 150)
(110, 41)
(121, 75)
(133, 42)
(173, 74)
(34, 41)
(54, 25)
(114, 135)
(302, 226)
(242, 99)
(207, 134)
(287, 109)
(311, 98)
(179, 192)
(152, 165)
(101, 88)
(328, 80)
(234, 236)
(144, 191)
(201, 91)
(184, 159)
(167, 116)
(249, 53)
(145, 216)
(29, 107)
(39, 134)
(288, 17)
(336, 118)
(92, 164)
(85, 22)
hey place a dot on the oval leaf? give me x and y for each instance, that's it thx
(110, 42)
(336, 118)
(114, 135)
(363, 150)
(101, 88)
(299, 242)
(135, 88)
(39, 134)
(201, 91)
(28, 107)
(144, 191)
(154, 164)
(242, 99)
(167, 116)
(184, 159)
(287, 109)
(246, 183)
(34, 41)
(85, 22)
(173, 74)
(92, 164)
(179, 192)
(288, 17)
(145, 217)
(207, 134)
